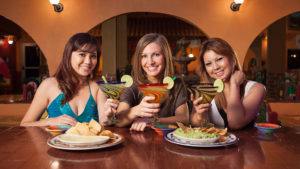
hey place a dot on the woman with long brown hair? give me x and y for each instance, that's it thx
(238, 104)
(152, 62)
(72, 95)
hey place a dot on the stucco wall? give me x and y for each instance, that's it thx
(50, 30)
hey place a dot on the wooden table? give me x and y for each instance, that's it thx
(26, 148)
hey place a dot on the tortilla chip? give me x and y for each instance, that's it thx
(72, 130)
(83, 129)
(95, 132)
(94, 125)
(107, 133)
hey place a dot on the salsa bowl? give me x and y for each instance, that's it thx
(267, 128)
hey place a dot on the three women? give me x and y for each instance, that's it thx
(72, 95)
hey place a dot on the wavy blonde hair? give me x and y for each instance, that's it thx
(138, 74)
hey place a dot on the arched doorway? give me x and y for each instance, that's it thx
(21, 61)
(120, 34)
(274, 59)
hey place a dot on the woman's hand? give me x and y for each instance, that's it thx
(198, 107)
(146, 109)
(139, 124)
(110, 108)
(237, 78)
(63, 119)
(200, 111)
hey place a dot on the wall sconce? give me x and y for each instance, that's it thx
(235, 5)
(10, 39)
(58, 7)
(191, 55)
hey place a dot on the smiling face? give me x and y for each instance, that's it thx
(217, 66)
(153, 62)
(83, 62)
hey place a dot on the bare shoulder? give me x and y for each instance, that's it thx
(258, 88)
(94, 88)
(49, 85)
(49, 82)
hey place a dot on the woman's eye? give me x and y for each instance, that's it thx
(144, 56)
(82, 54)
(220, 58)
(207, 64)
(93, 56)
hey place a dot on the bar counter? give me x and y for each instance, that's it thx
(26, 148)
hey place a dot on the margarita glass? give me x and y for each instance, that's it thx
(113, 90)
(204, 90)
(207, 90)
(160, 93)
(158, 90)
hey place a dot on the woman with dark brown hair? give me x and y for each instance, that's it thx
(72, 94)
(238, 104)
(152, 61)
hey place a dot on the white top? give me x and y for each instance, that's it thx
(214, 115)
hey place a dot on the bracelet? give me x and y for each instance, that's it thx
(153, 120)
(110, 120)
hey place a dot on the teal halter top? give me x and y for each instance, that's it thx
(90, 111)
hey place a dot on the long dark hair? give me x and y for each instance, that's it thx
(138, 73)
(220, 47)
(68, 79)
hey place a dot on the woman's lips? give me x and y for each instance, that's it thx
(219, 74)
(152, 68)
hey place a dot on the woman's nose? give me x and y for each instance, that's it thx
(87, 59)
(215, 66)
(149, 60)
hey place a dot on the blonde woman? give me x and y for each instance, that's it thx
(152, 62)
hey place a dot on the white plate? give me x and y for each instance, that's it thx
(231, 139)
(195, 140)
(56, 143)
(78, 139)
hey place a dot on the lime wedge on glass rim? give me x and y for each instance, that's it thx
(219, 84)
(127, 80)
(168, 80)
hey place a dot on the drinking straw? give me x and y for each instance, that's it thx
(104, 79)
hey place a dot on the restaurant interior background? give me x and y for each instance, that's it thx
(266, 39)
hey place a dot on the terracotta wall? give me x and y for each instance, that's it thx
(213, 17)
(50, 30)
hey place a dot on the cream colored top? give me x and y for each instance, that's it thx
(215, 116)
